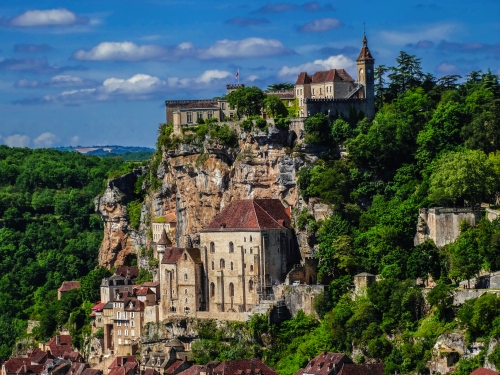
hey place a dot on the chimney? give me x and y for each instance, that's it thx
(58, 340)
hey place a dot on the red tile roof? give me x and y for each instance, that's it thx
(136, 305)
(121, 360)
(255, 214)
(91, 371)
(193, 370)
(243, 365)
(77, 368)
(326, 363)
(172, 255)
(151, 283)
(123, 271)
(69, 285)
(99, 306)
(57, 350)
(143, 291)
(150, 371)
(483, 371)
(72, 356)
(331, 75)
(303, 79)
(174, 366)
(365, 54)
(38, 356)
(367, 369)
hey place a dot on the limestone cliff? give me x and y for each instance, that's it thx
(120, 239)
(197, 183)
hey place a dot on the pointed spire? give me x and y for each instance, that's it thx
(365, 53)
(164, 240)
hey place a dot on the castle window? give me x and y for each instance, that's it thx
(199, 115)
(173, 291)
(185, 291)
(186, 300)
(212, 289)
(231, 290)
(320, 90)
(244, 239)
(222, 264)
(126, 332)
(250, 238)
(212, 247)
(185, 256)
(231, 247)
(210, 114)
(251, 250)
(189, 116)
(313, 91)
(213, 265)
(185, 276)
(251, 267)
(231, 266)
(132, 333)
(223, 105)
(250, 285)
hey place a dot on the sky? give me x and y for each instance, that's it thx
(94, 72)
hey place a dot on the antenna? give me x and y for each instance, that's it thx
(364, 28)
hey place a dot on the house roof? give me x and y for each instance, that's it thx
(99, 306)
(121, 360)
(324, 76)
(151, 371)
(195, 254)
(68, 285)
(77, 368)
(64, 345)
(170, 218)
(174, 366)
(136, 305)
(71, 355)
(14, 364)
(91, 371)
(193, 370)
(325, 363)
(257, 214)
(144, 291)
(124, 271)
(483, 371)
(150, 284)
(366, 369)
(164, 240)
(200, 105)
(38, 356)
(172, 255)
(243, 365)
(303, 79)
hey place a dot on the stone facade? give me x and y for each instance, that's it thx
(442, 225)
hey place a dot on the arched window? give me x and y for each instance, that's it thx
(250, 285)
(231, 247)
(185, 256)
(222, 264)
(186, 300)
(212, 247)
(251, 267)
(212, 290)
(231, 290)
(213, 265)
(185, 291)
(250, 238)
(231, 266)
(185, 276)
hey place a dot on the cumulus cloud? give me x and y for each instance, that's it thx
(446, 69)
(246, 21)
(35, 66)
(422, 44)
(333, 62)
(45, 140)
(74, 140)
(58, 81)
(32, 48)
(129, 51)
(423, 32)
(137, 87)
(319, 26)
(17, 140)
(44, 18)
(312, 6)
(252, 78)
(469, 47)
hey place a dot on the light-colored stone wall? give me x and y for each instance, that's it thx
(151, 314)
(299, 297)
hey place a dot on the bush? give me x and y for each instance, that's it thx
(134, 213)
(261, 123)
(225, 135)
(246, 124)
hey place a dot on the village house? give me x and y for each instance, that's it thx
(328, 363)
(167, 222)
(173, 359)
(124, 365)
(66, 287)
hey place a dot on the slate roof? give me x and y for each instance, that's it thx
(366, 369)
(164, 240)
(172, 255)
(246, 366)
(324, 76)
(69, 285)
(257, 214)
(325, 363)
(133, 271)
(365, 53)
(193, 370)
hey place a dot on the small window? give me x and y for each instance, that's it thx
(185, 276)
(199, 115)
(222, 264)
(223, 105)
(250, 285)
(189, 116)
(212, 290)
(250, 238)
(251, 250)
(132, 333)
(126, 332)
(244, 239)
(231, 290)
(186, 300)
(213, 265)
(212, 247)
(231, 247)
(231, 266)
(185, 291)
(132, 323)
(185, 256)
(251, 267)
(210, 114)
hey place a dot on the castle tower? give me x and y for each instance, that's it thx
(365, 64)
(162, 244)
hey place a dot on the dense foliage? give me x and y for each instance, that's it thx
(49, 233)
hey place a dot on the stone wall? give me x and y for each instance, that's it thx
(442, 225)
(334, 107)
(298, 297)
(151, 314)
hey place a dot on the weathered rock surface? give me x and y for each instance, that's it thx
(120, 240)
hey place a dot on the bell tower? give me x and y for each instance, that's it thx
(365, 64)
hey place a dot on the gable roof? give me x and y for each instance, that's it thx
(325, 363)
(91, 371)
(144, 291)
(257, 214)
(164, 240)
(193, 370)
(366, 369)
(58, 349)
(246, 366)
(172, 255)
(324, 76)
(483, 371)
(195, 254)
(303, 79)
(124, 271)
(68, 285)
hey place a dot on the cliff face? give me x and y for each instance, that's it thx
(120, 240)
(196, 186)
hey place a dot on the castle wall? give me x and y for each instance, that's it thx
(335, 107)
(298, 297)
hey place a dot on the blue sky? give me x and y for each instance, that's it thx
(97, 72)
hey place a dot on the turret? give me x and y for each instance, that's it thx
(365, 64)
(162, 244)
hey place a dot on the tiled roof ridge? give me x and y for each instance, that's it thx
(267, 213)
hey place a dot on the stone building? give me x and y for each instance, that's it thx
(167, 223)
(335, 92)
(328, 363)
(128, 319)
(246, 249)
(66, 287)
(362, 281)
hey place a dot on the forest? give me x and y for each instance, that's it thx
(49, 233)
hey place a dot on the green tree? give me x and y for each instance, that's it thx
(318, 129)
(274, 106)
(248, 101)
(280, 87)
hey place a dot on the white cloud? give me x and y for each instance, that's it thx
(445, 68)
(333, 62)
(129, 51)
(252, 78)
(17, 140)
(45, 140)
(430, 33)
(49, 17)
(139, 84)
(201, 81)
(56, 81)
(210, 75)
(321, 25)
(74, 140)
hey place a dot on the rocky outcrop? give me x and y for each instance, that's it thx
(120, 240)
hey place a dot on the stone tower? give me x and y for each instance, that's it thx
(162, 244)
(365, 64)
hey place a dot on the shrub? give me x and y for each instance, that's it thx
(246, 124)
(261, 123)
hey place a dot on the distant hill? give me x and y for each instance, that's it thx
(106, 150)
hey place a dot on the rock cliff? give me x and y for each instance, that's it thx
(120, 239)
